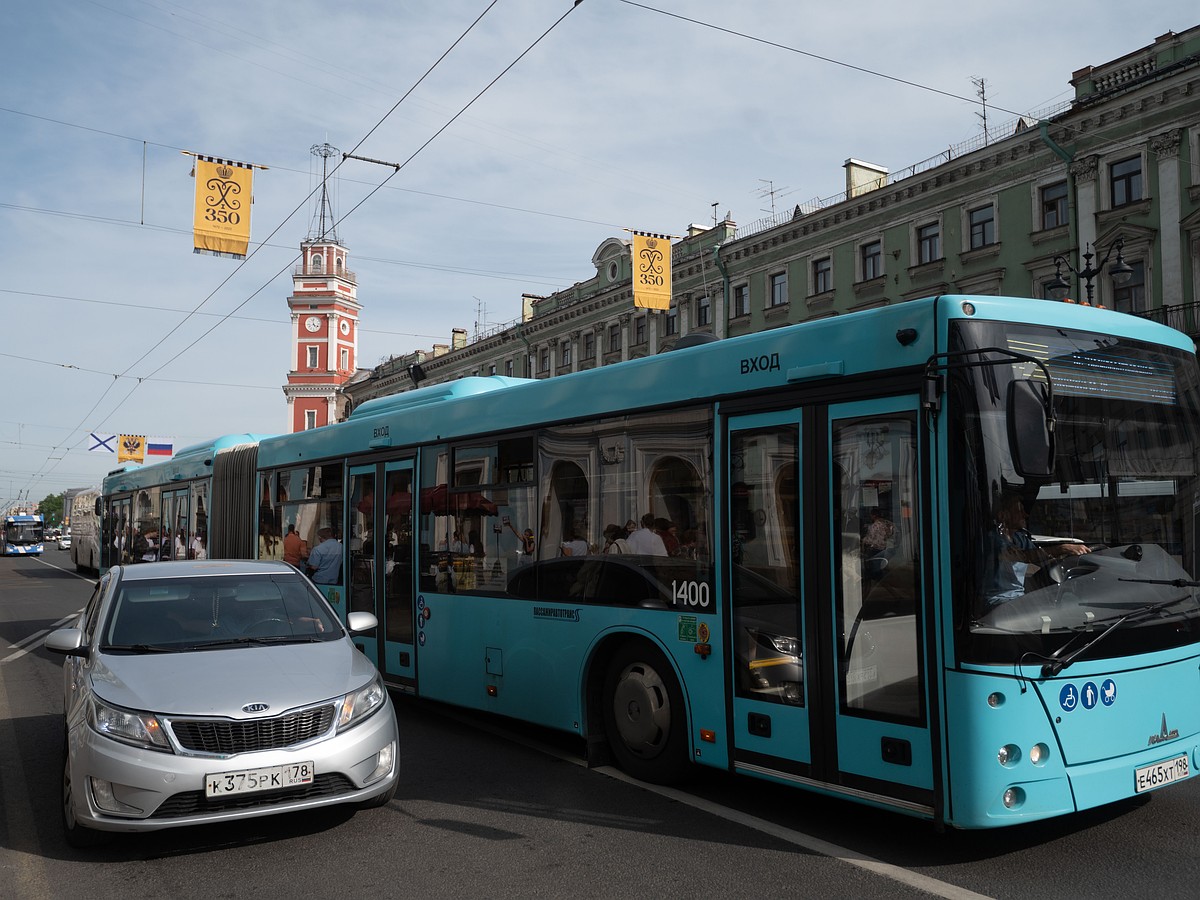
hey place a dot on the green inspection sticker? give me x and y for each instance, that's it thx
(687, 629)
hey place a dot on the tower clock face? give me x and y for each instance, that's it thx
(312, 323)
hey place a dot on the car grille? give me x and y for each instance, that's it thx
(193, 803)
(227, 736)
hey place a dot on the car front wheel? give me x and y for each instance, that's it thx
(77, 835)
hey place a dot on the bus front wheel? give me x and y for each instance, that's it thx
(644, 715)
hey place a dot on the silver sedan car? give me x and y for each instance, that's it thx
(212, 690)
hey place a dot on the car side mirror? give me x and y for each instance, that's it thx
(357, 622)
(67, 641)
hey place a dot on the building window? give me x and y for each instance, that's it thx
(589, 345)
(639, 330)
(872, 260)
(741, 300)
(1125, 178)
(564, 353)
(312, 357)
(614, 337)
(1130, 297)
(779, 295)
(508, 367)
(544, 361)
(822, 270)
(982, 223)
(310, 419)
(929, 243)
(492, 369)
(317, 264)
(703, 311)
(672, 321)
(1054, 205)
(345, 357)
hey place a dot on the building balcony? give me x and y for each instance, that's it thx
(315, 272)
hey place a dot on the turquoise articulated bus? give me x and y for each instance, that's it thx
(938, 557)
(166, 511)
(22, 535)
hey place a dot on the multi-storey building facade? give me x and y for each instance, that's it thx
(1120, 162)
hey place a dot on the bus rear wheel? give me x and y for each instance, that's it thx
(644, 715)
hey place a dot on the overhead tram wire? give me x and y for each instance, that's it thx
(288, 218)
(537, 41)
(159, 343)
(396, 167)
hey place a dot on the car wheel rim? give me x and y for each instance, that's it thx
(642, 710)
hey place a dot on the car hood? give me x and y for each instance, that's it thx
(221, 682)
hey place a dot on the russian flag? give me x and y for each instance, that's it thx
(159, 447)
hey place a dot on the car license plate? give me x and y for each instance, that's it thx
(1149, 777)
(268, 778)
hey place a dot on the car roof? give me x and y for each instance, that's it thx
(191, 568)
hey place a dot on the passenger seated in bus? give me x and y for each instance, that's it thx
(614, 539)
(572, 544)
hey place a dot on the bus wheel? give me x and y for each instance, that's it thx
(643, 714)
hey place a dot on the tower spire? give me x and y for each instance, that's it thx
(324, 225)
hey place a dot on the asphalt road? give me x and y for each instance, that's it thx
(489, 808)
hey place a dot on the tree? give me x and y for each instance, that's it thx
(51, 509)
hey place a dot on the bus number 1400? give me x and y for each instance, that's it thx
(690, 593)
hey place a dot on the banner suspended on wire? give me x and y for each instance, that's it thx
(651, 270)
(224, 192)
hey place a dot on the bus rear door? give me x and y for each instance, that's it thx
(381, 564)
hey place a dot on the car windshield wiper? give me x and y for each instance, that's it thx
(257, 641)
(138, 648)
(1057, 662)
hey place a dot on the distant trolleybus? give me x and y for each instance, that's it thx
(938, 557)
(22, 536)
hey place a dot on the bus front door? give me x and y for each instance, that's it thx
(827, 641)
(877, 738)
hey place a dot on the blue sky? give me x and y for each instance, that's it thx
(625, 115)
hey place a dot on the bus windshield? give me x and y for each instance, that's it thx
(1044, 566)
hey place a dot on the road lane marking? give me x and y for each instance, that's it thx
(800, 839)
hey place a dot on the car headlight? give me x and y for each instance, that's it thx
(360, 704)
(127, 726)
(782, 643)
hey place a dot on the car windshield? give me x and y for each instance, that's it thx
(1113, 531)
(210, 611)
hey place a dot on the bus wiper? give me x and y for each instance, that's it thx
(1058, 662)
(1173, 582)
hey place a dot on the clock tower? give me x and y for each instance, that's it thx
(324, 307)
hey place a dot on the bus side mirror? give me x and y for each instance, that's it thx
(99, 504)
(1030, 429)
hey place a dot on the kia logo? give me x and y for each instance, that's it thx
(255, 707)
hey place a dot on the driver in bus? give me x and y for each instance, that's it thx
(1016, 552)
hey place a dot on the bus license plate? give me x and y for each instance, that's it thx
(268, 778)
(1149, 777)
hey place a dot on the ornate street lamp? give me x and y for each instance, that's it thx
(1120, 271)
